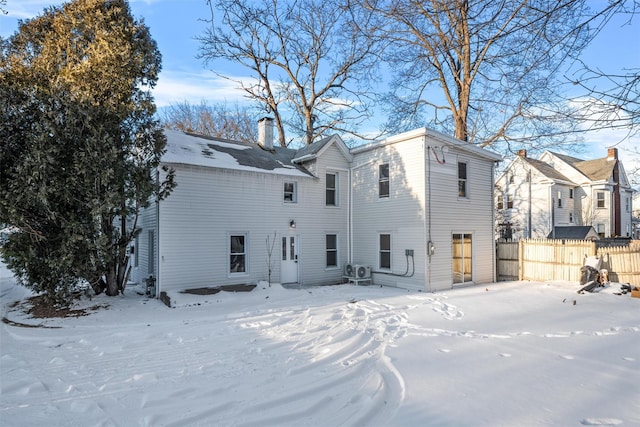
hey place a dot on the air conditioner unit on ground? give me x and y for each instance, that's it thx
(349, 270)
(362, 271)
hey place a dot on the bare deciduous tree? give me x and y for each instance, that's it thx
(609, 100)
(484, 70)
(216, 120)
(307, 59)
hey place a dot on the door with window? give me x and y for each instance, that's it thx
(462, 261)
(289, 260)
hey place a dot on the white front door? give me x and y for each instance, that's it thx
(289, 264)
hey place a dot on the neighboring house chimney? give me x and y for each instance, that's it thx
(265, 132)
(612, 153)
(522, 153)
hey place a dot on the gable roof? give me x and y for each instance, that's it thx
(565, 158)
(545, 169)
(575, 232)
(316, 149)
(434, 135)
(200, 150)
(596, 170)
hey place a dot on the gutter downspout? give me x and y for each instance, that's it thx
(350, 216)
(158, 235)
(427, 208)
(493, 222)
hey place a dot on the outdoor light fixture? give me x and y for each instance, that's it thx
(292, 224)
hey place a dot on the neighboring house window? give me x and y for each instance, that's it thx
(462, 179)
(600, 199)
(290, 192)
(571, 217)
(511, 179)
(627, 204)
(385, 251)
(332, 250)
(509, 201)
(383, 180)
(500, 202)
(600, 228)
(238, 253)
(332, 189)
(571, 193)
(559, 199)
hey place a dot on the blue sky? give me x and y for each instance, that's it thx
(175, 24)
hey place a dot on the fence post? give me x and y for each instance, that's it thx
(520, 258)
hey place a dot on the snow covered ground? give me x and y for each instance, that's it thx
(510, 354)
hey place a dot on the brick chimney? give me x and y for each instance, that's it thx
(522, 153)
(612, 153)
(265, 132)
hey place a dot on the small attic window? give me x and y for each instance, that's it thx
(511, 179)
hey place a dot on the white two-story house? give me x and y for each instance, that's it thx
(415, 210)
(537, 197)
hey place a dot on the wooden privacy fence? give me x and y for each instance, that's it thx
(543, 260)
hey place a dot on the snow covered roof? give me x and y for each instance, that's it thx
(199, 150)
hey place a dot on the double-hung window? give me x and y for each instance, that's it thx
(290, 195)
(331, 189)
(600, 199)
(500, 202)
(237, 253)
(559, 199)
(332, 249)
(509, 201)
(385, 251)
(462, 179)
(383, 180)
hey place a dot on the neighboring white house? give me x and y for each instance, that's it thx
(533, 197)
(635, 208)
(239, 209)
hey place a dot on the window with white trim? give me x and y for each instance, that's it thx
(509, 201)
(559, 199)
(385, 251)
(600, 201)
(237, 253)
(462, 179)
(331, 245)
(331, 189)
(290, 193)
(500, 202)
(383, 180)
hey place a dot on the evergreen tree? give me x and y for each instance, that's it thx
(79, 144)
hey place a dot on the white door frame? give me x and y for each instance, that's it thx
(289, 269)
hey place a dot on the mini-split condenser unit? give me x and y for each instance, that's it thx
(349, 270)
(362, 272)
